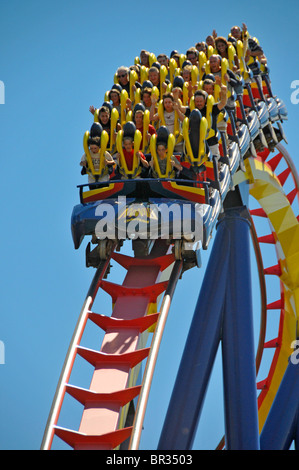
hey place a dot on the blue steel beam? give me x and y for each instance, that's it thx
(297, 432)
(200, 350)
(238, 352)
(225, 292)
(281, 426)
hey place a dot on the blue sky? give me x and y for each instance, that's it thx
(56, 59)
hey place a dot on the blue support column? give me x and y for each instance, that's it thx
(238, 353)
(224, 307)
(297, 432)
(282, 424)
(199, 354)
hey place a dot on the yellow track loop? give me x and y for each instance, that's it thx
(267, 189)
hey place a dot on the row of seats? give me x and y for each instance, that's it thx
(169, 116)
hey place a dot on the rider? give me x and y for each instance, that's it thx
(94, 145)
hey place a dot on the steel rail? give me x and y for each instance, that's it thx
(70, 357)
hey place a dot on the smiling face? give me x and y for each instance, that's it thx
(104, 117)
(153, 77)
(221, 46)
(214, 63)
(199, 101)
(163, 60)
(123, 77)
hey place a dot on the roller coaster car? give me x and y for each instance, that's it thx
(250, 118)
(282, 110)
(255, 118)
(241, 136)
(277, 109)
(231, 153)
(142, 209)
(259, 100)
(269, 109)
(273, 109)
(277, 112)
(266, 125)
(153, 208)
(267, 91)
(132, 207)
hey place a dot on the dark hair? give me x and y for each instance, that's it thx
(104, 109)
(201, 44)
(154, 69)
(168, 95)
(201, 93)
(221, 39)
(208, 81)
(145, 90)
(113, 90)
(94, 141)
(192, 50)
(164, 56)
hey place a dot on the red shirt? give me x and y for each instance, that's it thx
(151, 131)
(129, 158)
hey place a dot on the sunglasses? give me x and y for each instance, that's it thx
(122, 76)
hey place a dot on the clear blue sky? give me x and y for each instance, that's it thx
(56, 59)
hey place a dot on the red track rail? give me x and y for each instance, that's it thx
(104, 403)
